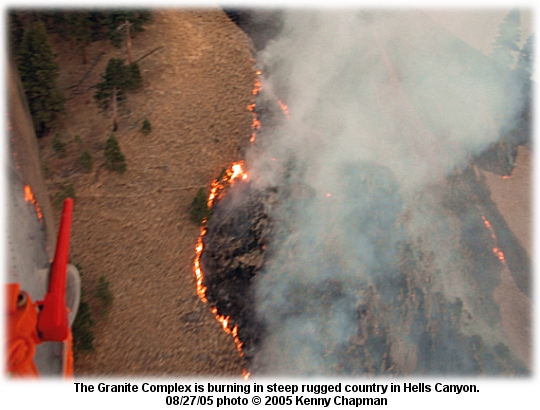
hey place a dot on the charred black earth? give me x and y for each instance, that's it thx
(393, 316)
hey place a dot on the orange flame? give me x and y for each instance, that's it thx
(201, 289)
(29, 196)
(217, 190)
(224, 320)
(496, 250)
(257, 86)
(256, 124)
(284, 108)
(236, 170)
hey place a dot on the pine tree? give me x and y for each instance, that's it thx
(506, 43)
(16, 33)
(199, 211)
(80, 30)
(86, 161)
(118, 78)
(123, 23)
(83, 336)
(114, 159)
(104, 293)
(39, 73)
(146, 127)
(58, 145)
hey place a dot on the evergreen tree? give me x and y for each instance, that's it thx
(506, 43)
(199, 211)
(80, 30)
(134, 76)
(58, 145)
(117, 79)
(16, 33)
(146, 127)
(54, 20)
(104, 293)
(86, 161)
(114, 159)
(123, 23)
(83, 336)
(39, 73)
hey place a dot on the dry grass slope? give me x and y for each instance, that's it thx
(134, 228)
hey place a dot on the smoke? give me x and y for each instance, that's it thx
(365, 273)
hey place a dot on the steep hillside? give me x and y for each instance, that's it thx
(134, 228)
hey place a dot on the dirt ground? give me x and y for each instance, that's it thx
(134, 228)
(513, 197)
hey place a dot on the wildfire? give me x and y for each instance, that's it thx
(201, 289)
(29, 196)
(224, 320)
(255, 124)
(284, 108)
(217, 190)
(257, 86)
(496, 250)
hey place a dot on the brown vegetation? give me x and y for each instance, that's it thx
(134, 228)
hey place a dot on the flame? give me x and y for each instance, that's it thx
(255, 124)
(506, 176)
(284, 108)
(496, 250)
(217, 190)
(224, 320)
(258, 85)
(245, 374)
(201, 289)
(29, 196)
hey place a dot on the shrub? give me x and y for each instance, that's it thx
(58, 145)
(86, 161)
(114, 159)
(199, 211)
(77, 139)
(83, 336)
(146, 127)
(46, 169)
(104, 294)
(67, 190)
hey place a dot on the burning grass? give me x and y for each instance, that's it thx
(218, 190)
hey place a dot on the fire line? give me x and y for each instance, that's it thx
(217, 191)
(496, 250)
(29, 197)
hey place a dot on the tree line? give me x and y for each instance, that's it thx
(30, 48)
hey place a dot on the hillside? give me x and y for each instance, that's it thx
(134, 228)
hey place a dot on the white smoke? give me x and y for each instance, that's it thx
(375, 98)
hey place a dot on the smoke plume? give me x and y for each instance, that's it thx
(367, 273)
